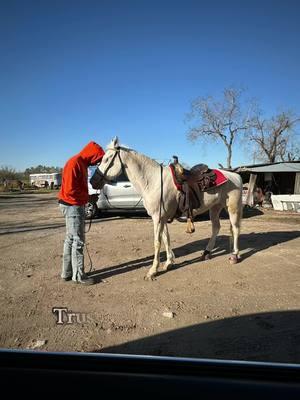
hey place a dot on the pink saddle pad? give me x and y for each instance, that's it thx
(221, 178)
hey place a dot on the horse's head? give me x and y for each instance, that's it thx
(110, 167)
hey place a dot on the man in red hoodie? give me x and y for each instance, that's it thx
(73, 196)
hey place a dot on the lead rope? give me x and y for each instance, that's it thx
(161, 191)
(88, 253)
(86, 246)
(90, 224)
(161, 198)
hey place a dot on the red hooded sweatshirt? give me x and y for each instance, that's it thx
(74, 187)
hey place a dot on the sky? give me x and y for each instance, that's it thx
(76, 71)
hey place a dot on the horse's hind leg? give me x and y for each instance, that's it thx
(214, 214)
(170, 254)
(235, 215)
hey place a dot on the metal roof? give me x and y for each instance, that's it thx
(293, 166)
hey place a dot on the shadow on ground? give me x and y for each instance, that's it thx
(270, 337)
(251, 243)
(248, 212)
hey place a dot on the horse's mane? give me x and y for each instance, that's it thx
(145, 159)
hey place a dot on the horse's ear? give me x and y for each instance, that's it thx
(115, 142)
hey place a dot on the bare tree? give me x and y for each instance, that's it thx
(293, 153)
(223, 120)
(274, 137)
(7, 172)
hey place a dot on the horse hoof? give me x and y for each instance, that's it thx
(233, 259)
(149, 278)
(205, 256)
(166, 267)
(190, 231)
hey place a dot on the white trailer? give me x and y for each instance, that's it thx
(48, 180)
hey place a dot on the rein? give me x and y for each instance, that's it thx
(111, 162)
(161, 191)
(117, 153)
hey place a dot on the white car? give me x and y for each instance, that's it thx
(118, 195)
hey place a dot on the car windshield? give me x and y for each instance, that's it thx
(198, 254)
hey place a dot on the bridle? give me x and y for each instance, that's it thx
(103, 175)
(117, 153)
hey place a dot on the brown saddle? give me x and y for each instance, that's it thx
(201, 175)
(198, 179)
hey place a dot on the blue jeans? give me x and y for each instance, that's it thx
(73, 258)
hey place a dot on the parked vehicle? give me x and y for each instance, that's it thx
(118, 195)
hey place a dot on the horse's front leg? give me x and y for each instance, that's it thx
(170, 254)
(158, 229)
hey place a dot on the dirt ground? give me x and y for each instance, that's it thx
(249, 311)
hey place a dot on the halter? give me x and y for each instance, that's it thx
(103, 175)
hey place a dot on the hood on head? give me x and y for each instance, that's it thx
(92, 153)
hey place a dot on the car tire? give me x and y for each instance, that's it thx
(91, 210)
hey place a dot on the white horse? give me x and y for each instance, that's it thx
(160, 196)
